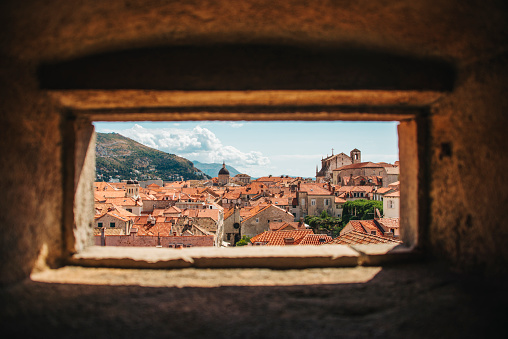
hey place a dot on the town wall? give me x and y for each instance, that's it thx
(152, 241)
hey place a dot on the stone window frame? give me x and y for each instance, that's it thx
(82, 107)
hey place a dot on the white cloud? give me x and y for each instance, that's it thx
(197, 144)
(236, 124)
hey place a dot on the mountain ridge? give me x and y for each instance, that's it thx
(119, 157)
(212, 169)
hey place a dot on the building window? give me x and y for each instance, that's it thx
(313, 202)
(327, 202)
(99, 224)
(111, 224)
(257, 219)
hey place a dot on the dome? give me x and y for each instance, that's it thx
(223, 170)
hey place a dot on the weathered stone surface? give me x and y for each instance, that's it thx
(464, 165)
(248, 256)
(468, 160)
(419, 301)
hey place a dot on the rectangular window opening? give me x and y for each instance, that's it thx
(168, 180)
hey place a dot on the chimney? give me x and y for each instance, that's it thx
(289, 241)
(103, 237)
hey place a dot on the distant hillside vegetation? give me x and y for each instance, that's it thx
(213, 169)
(122, 158)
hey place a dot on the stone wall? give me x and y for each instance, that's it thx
(151, 241)
(31, 173)
(465, 142)
(468, 163)
(251, 228)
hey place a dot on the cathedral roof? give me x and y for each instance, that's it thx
(223, 170)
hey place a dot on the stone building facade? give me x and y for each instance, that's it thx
(332, 162)
(232, 229)
(259, 222)
(112, 220)
(345, 175)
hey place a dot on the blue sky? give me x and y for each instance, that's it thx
(264, 148)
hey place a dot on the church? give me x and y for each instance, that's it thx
(332, 162)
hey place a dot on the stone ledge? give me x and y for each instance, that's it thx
(382, 254)
(275, 257)
(266, 257)
(194, 277)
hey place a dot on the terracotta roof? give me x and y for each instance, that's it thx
(102, 195)
(389, 222)
(360, 238)
(202, 213)
(172, 210)
(255, 211)
(232, 195)
(339, 200)
(383, 190)
(362, 189)
(164, 229)
(313, 189)
(280, 238)
(315, 239)
(279, 226)
(358, 165)
(393, 194)
(366, 226)
(123, 201)
(229, 213)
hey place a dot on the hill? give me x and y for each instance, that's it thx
(122, 158)
(213, 169)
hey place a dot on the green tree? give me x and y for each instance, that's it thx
(244, 241)
(360, 210)
(324, 223)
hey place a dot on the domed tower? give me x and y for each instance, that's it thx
(223, 175)
(356, 156)
(132, 189)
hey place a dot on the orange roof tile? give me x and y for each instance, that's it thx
(279, 226)
(360, 238)
(314, 189)
(359, 165)
(366, 226)
(278, 238)
(383, 190)
(315, 239)
(389, 222)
